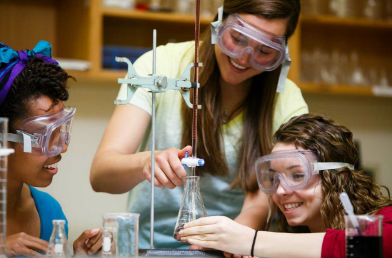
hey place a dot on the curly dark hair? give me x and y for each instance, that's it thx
(37, 79)
(333, 143)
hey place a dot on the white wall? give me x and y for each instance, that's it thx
(369, 118)
(71, 186)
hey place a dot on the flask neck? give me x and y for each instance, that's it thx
(191, 181)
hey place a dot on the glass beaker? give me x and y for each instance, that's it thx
(58, 240)
(346, 8)
(373, 9)
(192, 206)
(120, 234)
(363, 236)
(3, 182)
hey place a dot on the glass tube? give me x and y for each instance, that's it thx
(3, 183)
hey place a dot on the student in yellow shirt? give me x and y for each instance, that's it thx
(241, 109)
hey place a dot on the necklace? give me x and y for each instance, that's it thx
(226, 116)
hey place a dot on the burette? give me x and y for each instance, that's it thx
(195, 90)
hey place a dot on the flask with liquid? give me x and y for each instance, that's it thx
(192, 206)
(58, 240)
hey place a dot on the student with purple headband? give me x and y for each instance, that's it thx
(32, 94)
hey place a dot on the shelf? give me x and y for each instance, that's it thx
(93, 26)
(154, 16)
(347, 90)
(351, 22)
(105, 75)
(112, 76)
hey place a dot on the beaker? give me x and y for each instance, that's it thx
(120, 234)
(192, 206)
(58, 240)
(3, 182)
(364, 238)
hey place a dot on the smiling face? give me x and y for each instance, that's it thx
(32, 168)
(239, 70)
(300, 207)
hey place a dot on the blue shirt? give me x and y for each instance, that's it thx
(48, 209)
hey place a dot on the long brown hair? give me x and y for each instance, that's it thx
(333, 143)
(257, 107)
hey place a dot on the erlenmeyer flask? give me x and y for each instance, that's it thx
(58, 240)
(192, 206)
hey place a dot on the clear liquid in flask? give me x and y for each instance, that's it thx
(192, 206)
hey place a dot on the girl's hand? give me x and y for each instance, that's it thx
(219, 233)
(88, 243)
(24, 244)
(168, 168)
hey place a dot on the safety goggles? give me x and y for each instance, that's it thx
(237, 38)
(46, 134)
(291, 169)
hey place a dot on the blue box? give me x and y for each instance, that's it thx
(110, 52)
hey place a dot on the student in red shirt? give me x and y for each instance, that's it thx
(310, 165)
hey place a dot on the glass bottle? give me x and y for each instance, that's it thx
(192, 206)
(58, 240)
(108, 244)
(373, 9)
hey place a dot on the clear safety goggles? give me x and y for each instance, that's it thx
(46, 134)
(237, 38)
(291, 169)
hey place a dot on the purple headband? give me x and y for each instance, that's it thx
(13, 62)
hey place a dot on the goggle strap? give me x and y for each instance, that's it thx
(26, 142)
(24, 138)
(284, 71)
(215, 25)
(12, 137)
(331, 165)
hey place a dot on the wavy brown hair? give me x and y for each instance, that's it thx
(333, 143)
(257, 106)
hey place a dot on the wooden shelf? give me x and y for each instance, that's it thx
(105, 75)
(93, 26)
(110, 77)
(336, 89)
(154, 16)
(353, 22)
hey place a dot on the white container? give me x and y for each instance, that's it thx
(123, 4)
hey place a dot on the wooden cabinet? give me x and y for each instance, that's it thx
(66, 24)
(78, 29)
(369, 40)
